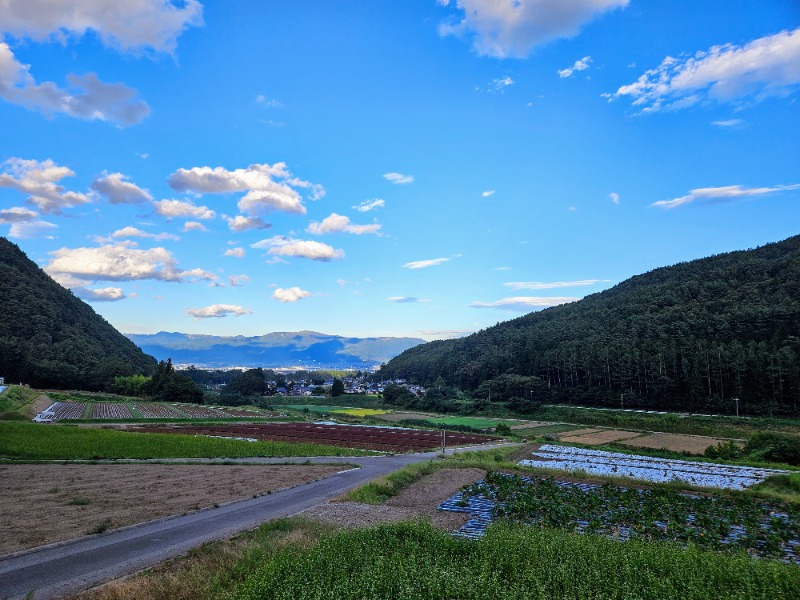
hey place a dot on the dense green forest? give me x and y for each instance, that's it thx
(694, 336)
(51, 339)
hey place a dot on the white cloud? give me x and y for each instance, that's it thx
(183, 208)
(17, 214)
(523, 303)
(86, 97)
(443, 334)
(341, 282)
(422, 264)
(502, 268)
(368, 205)
(500, 84)
(722, 194)
(238, 280)
(119, 191)
(31, 230)
(268, 102)
(614, 196)
(118, 262)
(284, 246)
(765, 67)
(540, 285)
(292, 294)
(127, 232)
(40, 180)
(237, 252)
(335, 223)
(580, 65)
(728, 123)
(217, 311)
(194, 226)
(108, 294)
(512, 28)
(129, 26)
(240, 223)
(398, 178)
(268, 187)
(487, 193)
(406, 299)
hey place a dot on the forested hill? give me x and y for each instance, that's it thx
(692, 336)
(50, 338)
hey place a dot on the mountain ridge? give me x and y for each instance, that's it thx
(309, 349)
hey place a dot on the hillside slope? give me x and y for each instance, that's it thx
(692, 336)
(50, 338)
(280, 349)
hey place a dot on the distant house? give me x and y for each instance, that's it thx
(2, 380)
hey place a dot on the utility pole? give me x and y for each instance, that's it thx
(737, 406)
(622, 401)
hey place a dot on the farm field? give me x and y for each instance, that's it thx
(476, 422)
(31, 441)
(386, 439)
(42, 504)
(720, 523)
(60, 411)
(659, 470)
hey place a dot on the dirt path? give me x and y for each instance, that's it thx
(41, 504)
(416, 501)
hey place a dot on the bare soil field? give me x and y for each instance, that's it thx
(694, 444)
(531, 425)
(41, 504)
(599, 437)
(417, 501)
(37, 406)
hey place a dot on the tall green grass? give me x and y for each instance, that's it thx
(413, 560)
(15, 397)
(63, 442)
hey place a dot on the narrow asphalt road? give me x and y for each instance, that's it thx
(57, 570)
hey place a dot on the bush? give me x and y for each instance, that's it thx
(774, 447)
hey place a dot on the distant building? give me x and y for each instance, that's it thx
(2, 380)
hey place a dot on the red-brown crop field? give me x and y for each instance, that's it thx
(349, 436)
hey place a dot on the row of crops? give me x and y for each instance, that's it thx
(59, 411)
(660, 470)
(383, 438)
(722, 523)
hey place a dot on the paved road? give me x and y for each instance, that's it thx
(64, 568)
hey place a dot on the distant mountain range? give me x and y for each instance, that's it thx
(304, 349)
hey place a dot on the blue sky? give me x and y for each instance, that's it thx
(396, 167)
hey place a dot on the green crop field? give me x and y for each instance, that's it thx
(64, 442)
(417, 561)
(476, 422)
(313, 408)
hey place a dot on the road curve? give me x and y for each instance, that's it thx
(64, 568)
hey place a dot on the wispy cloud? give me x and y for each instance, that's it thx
(580, 65)
(336, 223)
(217, 311)
(368, 205)
(128, 232)
(424, 264)
(108, 294)
(524, 303)
(237, 252)
(551, 285)
(398, 178)
(614, 196)
(513, 28)
(406, 299)
(182, 208)
(763, 68)
(487, 193)
(728, 123)
(194, 226)
(265, 102)
(722, 194)
(240, 223)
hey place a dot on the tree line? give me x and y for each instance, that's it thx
(718, 334)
